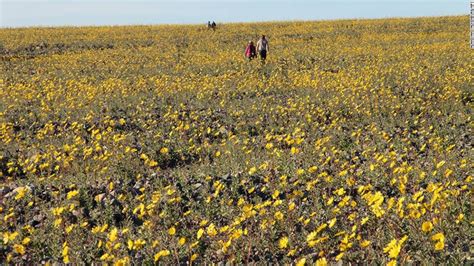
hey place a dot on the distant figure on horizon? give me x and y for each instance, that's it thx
(250, 51)
(263, 48)
(212, 25)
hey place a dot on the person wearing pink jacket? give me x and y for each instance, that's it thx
(250, 51)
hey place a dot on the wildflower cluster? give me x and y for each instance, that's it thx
(162, 144)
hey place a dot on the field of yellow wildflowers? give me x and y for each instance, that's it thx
(162, 144)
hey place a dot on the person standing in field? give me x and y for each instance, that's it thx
(263, 48)
(250, 51)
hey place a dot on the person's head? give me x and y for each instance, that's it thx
(250, 43)
(263, 37)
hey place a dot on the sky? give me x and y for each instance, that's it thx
(25, 13)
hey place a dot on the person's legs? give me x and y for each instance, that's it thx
(263, 55)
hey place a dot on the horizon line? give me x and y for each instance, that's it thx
(224, 23)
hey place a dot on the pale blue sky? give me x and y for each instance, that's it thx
(19, 13)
